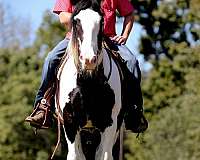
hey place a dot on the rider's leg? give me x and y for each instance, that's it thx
(135, 99)
(48, 74)
(49, 68)
(128, 56)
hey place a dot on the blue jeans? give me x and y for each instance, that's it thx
(132, 62)
(49, 68)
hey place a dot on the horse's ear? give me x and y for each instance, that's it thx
(74, 2)
(97, 1)
(96, 5)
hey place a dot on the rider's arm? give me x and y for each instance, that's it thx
(64, 10)
(125, 9)
(65, 19)
(127, 26)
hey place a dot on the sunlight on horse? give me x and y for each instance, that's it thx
(89, 92)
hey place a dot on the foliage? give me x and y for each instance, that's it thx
(50, 32)
(172, 109)
(166, 22)
(20, 72)
(171, 89)
(17, 92)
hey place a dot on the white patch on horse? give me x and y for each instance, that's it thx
(68, 76)
(67, 81)
(90, 21)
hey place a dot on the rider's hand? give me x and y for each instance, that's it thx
(121, 40)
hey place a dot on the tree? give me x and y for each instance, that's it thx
(50, 32)
(166, 22)
(20, 72)
(171, 90)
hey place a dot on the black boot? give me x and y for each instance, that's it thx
(135, 120)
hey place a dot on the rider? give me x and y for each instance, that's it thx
(64, 9)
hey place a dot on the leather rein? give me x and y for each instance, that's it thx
(58, 114)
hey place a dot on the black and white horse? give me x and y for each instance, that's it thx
(89, 89)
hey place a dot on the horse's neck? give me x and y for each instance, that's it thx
(67, 77)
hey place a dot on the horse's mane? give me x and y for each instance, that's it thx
(84, 4)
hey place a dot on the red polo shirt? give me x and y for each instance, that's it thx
(109, 8)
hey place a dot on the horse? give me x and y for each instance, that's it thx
(89, 95)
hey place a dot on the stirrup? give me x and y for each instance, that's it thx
(46, 122)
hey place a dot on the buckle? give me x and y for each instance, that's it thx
(135, 106)
(43, 101)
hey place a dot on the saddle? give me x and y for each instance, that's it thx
(132, 100)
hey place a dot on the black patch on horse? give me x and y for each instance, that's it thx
(90, 140)
(84, 4)
(92, 99)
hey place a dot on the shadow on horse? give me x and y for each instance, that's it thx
(89, 94)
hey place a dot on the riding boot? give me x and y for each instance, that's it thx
(135, 120)
(134, 116)
(42, 116)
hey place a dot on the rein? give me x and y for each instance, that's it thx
(112, 54)
(115, 56)
(109, 56)
(58, 114)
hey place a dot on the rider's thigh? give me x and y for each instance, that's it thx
(128, 56)
(57, 52)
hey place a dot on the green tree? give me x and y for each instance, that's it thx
(20, 73)
(166, 22)
(171, 89)
(174, 124)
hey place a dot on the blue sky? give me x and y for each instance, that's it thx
(31, 9)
